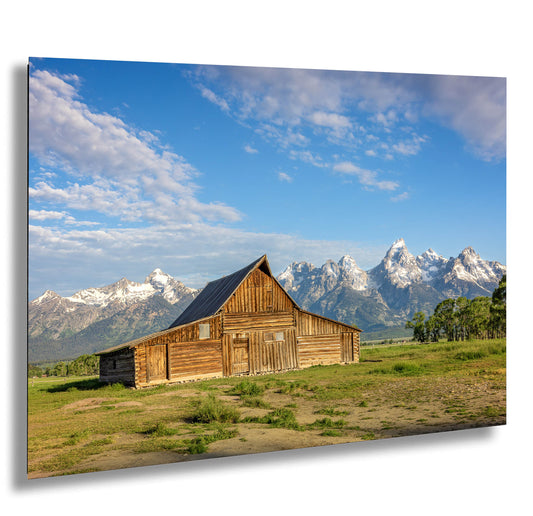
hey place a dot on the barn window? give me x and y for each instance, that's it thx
(114, 364)
(268, 336)
(204, 331)
(280, 335)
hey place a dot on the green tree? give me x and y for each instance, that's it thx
(445, 318)
(34, 370)
(417, 323)
(432, 328)
(478, 316)
(461, 312)
(498, 309)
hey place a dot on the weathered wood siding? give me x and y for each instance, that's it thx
(309, 324)
(258, 293)
(235, 323)
(319, 349)
(180, 355)
(118, 367)
(322, 341)
(356, 346)
(190, 360)
(255, 352)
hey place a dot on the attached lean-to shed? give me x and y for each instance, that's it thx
(241, 324)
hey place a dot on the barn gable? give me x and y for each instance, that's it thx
(216, 294)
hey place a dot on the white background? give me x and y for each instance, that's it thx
(484, 471)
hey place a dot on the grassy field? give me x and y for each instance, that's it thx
(79, 425)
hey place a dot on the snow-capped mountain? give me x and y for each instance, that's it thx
(430, 264)
(469, 275)
(382, 297)
(399, 267)
(400, 285)
(52, 318)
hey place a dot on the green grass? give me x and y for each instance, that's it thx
(254, 402)
(278, 418)
(213, 410)
(332, 412)
(247, 388)
(326, 422)
(72, 420)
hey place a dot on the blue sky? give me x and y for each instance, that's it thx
(200, 169)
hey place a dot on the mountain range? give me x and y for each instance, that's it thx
(382, 298)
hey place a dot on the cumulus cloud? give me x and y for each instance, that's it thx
(117, 170)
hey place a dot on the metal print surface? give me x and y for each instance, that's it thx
(236, 260)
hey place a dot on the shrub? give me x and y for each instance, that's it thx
(279, 418)
(247, 388)
(327, 422)
(160, 429)
(331, 433)
(211, 409)
(332, 412)
(254, 402)
(197, 445)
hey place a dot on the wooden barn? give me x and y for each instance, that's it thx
(241, 324)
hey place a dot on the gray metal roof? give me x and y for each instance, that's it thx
(215, 294)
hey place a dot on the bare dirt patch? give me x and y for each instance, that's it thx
(85, 404)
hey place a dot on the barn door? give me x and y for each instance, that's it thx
(347, 347)
(156, 363)
(240, 356)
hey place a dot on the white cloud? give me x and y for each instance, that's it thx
(118, 171)
(46, 215)
(365, 177)
(400, 197)
(193, 253)
(282, 176)
(250, 150)
(308, 157)
(409, 147)
(475, 107)
(215, 99)
(472, 106)
(332, 120)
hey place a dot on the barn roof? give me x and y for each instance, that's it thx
(216, 293)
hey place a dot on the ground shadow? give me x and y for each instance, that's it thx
(80, 385)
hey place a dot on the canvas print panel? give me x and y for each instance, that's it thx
(235, 260)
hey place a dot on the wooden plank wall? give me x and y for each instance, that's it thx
(271, 356)
(258, 293)
(319, 349)
(118, 367)
(242, 322)
(190, 359)
(179, 343)
(308, 324)
(356, 346)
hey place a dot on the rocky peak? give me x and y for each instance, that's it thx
(47, 296)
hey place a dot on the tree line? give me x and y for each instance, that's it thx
(464, 319)
(84, 365)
